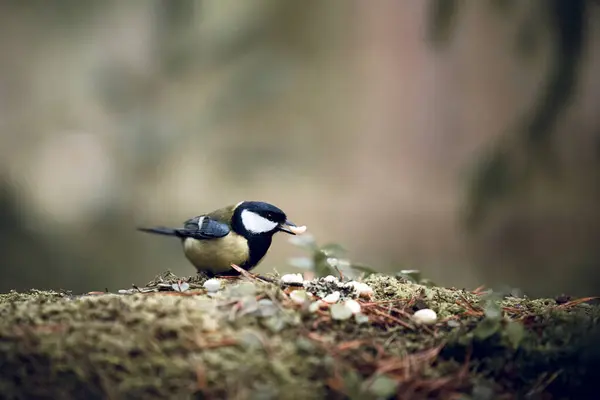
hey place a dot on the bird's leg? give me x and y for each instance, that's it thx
(205, 274)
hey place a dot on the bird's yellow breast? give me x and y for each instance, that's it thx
(216, 255)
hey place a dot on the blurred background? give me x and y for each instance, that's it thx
(461, 138)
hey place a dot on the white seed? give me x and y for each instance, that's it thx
(292, 278)
(362, 289)
(340, 312)
(298, 230)
(212, 285)
(425, 316)
(332, 297)
(330, 278)
(353, 306)
(300, 296)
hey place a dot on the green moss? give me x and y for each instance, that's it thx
(445, 302)
(251, 341)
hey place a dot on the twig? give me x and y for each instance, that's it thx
(246, 274)
(201, 378)
(478, 290)
(339, 272)
(543, 382)
(470, 309)
(203, 344)
(352, 344)
(573, 303)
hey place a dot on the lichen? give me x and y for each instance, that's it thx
(251, 341)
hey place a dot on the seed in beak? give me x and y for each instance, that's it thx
(291, 228)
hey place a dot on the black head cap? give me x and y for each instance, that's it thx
(253, 218)
(265, 210)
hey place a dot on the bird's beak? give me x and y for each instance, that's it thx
(291, 228)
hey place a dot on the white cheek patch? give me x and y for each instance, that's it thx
(257, 224)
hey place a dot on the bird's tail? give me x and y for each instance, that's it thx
(161, 231)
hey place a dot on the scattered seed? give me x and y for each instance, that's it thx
(300, 296)
(362, 289)
(292, 278)
(340, 311)
(425, 316)
(332, 297)
(212, 285)
(353, 306)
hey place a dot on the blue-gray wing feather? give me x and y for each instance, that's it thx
(203, 227)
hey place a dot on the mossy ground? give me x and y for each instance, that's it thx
(252, 342)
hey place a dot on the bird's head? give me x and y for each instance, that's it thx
(260, 218)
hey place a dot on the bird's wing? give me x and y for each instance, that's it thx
(204, 227)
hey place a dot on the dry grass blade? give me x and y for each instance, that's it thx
(353, 344)
(543, 381)
(470, 310)
(479, 290)
(413, 362)
(204, 344)
(393, 319)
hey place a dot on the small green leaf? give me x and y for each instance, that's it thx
(493, 311)
(383, 387)
(491, 305)
(486, 328)
(352, 382)
(275, 324)
(251, 339)
(361, 318)
(482, 392)
(322, 268)
(514, 333)
(304, 344)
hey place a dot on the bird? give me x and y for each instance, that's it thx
(238, 234)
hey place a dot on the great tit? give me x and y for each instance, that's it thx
(239, 235)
